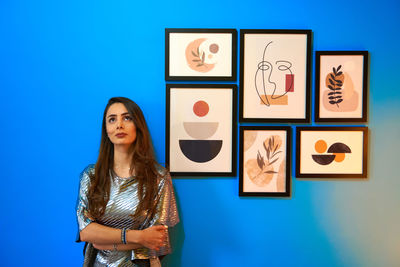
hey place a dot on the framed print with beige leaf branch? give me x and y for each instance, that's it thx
(275, 69)
(341, 84)
(200, 54)
(264, 161)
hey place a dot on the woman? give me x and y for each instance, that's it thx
(126, 201)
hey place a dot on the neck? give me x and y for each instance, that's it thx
(122, 157)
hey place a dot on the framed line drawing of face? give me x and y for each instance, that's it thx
(201, 129)
(200, 54)
(331, 152)
(264, 161)
(341, 84)
(275, 68)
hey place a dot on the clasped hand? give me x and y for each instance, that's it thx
(154, 237)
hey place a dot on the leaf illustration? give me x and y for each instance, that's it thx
(272, 162)
(335, 83)
(203, 57)
(270, 172)
(335, 93)
(260, 160)
(196, 60)
(276, 153)
(194, 54)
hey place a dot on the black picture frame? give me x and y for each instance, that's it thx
(323, 146)
(248, 110)
(246, 169)
(183, 163)
(183, 71)
(325, 111)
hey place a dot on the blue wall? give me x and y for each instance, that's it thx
(60, 61)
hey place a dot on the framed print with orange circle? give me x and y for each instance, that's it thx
(331, 152)
(200, 129)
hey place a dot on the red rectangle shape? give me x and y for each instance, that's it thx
(289, 83)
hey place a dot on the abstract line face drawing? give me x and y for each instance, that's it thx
(274, 78)
(202, 55)
(340, 96)
(337, 150)
(267, 163)
(200, 150)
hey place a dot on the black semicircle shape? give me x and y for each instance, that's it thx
(200, 150)
(323, 159)
(339, 148)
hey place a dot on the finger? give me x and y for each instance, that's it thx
(160, 227)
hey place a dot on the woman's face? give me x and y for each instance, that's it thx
(119, 125)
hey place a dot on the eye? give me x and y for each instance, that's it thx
(264, 65)
(111, 120)
(283, 65)
(128, 118)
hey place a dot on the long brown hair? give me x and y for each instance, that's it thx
(143, 163)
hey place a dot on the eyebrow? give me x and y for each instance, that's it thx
(114, 115)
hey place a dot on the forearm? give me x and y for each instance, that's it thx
(103, 235)
(119, 247)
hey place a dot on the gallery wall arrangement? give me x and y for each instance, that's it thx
(274, 87)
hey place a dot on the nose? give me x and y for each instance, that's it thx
(120, 124)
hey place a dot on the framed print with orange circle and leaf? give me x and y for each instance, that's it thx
(200, 54)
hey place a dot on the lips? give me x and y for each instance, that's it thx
(121, 135)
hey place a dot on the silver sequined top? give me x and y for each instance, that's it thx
(122, 204)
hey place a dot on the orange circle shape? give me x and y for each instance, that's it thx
(201, 108)
(339, 157)
(320, 146)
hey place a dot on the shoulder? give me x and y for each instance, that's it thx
(86, 173)
(163, 174)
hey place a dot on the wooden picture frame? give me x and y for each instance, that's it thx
(201, 129)
(275, 72)
(341, 85)
(264, 161)
(331, 152)
(200, 54)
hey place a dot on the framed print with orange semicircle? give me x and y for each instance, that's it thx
(331, 152)
(200, 54)
(201, 129)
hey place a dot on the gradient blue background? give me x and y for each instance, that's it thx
(60, 61)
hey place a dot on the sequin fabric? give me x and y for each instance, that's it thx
(118, 214)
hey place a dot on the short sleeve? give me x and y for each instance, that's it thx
(166, 214)
(82, 202)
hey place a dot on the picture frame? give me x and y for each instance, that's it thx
(341, 86)
(275, 76)
(200, 54)
(264, 161)
(201, 129)
(331, 152)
